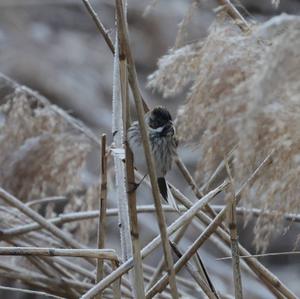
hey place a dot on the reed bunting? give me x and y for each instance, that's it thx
(162, 137)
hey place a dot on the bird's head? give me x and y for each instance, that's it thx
(160, 121)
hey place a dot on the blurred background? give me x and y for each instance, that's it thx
(53, 47)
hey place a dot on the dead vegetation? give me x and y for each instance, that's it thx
(243, 98)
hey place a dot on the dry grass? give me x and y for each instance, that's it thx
(232, 100)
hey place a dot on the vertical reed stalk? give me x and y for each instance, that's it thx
(102, 207)
(237, 281)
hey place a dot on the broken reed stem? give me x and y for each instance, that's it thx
(107, 254)
(237, 280)
(180, 221)
(102, 209)
(148, 153)
(235, 15)
(138, 276)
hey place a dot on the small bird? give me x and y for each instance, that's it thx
(163, 142)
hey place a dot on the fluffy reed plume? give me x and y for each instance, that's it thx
(42, 155)
(244, 89)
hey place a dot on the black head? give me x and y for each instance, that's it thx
(159, 117)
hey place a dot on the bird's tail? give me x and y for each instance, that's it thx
(166, 192)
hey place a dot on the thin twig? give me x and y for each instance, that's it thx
(109, 42)
(102, 208)
(99, 25)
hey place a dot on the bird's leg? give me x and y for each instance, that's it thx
(136, 185)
